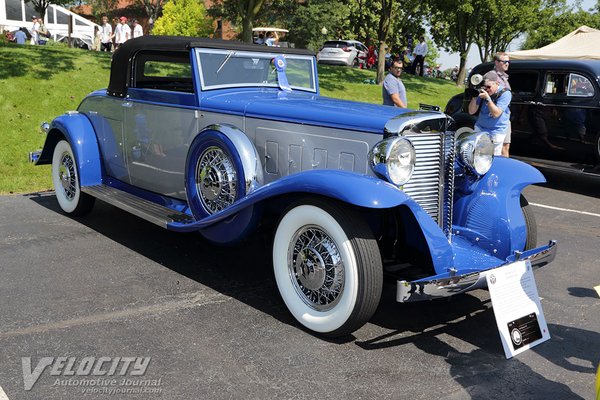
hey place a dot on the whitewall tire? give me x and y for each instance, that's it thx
(327, 267)
(65, 177)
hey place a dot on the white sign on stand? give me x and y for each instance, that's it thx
(519, 316)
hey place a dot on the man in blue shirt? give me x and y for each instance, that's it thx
(492, 102)
(393, 91)
(20, 36)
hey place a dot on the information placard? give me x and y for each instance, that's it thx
(517, 307)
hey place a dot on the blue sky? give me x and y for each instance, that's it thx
(449, 60)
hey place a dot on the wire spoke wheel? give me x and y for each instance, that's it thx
(316, 268)
(67, 175)
(66, 181)
(327, 266)
(215, 180)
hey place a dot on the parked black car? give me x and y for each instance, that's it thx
(555, 113)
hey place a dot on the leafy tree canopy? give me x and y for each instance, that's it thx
(557, 22)
(183, 18)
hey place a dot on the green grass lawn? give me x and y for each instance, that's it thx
(38, 83)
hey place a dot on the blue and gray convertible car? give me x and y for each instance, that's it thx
(218, 137)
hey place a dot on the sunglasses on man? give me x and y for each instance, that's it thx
(504, 61)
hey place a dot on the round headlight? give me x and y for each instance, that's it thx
(476, 151)
(394, 159)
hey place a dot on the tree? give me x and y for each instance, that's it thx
(102, 7)
(183, 18)
(308, 19)
(385, 18)
(454, 26)
(153, 9)
(503, 22)
(243, 12)
(40, 6)
(558, 23)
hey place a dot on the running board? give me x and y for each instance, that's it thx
(151, 212)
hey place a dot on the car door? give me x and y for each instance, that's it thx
(569, 96)
(161, 120)
(526, 112)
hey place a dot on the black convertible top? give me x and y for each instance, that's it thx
(121, 68)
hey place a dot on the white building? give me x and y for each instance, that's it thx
(15, 14)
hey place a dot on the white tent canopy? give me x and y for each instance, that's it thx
(582, 43)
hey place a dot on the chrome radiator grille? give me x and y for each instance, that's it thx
(431, 185)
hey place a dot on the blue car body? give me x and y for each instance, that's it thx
(140, 144)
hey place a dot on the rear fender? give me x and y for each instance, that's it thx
(78, 131)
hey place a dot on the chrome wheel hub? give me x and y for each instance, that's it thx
(215, 180)
(316, 268)
(66, 174)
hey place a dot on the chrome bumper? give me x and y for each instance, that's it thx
(446, 286)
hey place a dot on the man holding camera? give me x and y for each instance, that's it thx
(492, 102)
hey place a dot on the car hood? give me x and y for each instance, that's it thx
(303, 108)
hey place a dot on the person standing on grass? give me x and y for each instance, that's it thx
(20, 36)
(122, 32)
(137, 29)
(393, 90)
(420, 53)
(106, 34)
(34, 30)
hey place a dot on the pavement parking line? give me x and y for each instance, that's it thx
(565, 209)
(3, 395)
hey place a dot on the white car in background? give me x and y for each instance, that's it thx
(343, 52)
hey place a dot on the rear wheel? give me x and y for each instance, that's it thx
(327, 267)
(530, 223)
(66, 181)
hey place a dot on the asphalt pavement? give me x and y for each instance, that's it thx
(110, 306)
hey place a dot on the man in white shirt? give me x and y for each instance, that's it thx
(122, 32)
(35, 36)
(420, 53)
(137, 29)
(106, 34)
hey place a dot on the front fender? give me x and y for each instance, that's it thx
(77, 129)
(348, 187)
(488, 211)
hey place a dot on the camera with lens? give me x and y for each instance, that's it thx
(476, 84)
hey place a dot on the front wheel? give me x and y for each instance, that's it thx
(66, 181)
(327, 267)
(530, 223)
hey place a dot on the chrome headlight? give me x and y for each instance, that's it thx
(44, 127)
(393, 159)
(475, 151)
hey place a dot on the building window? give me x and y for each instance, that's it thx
(30, 12)
(62, 18)
(50, 15)
(13, 10)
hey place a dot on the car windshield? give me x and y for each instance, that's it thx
(221, 69)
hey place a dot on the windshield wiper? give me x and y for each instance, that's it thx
(229, 54)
